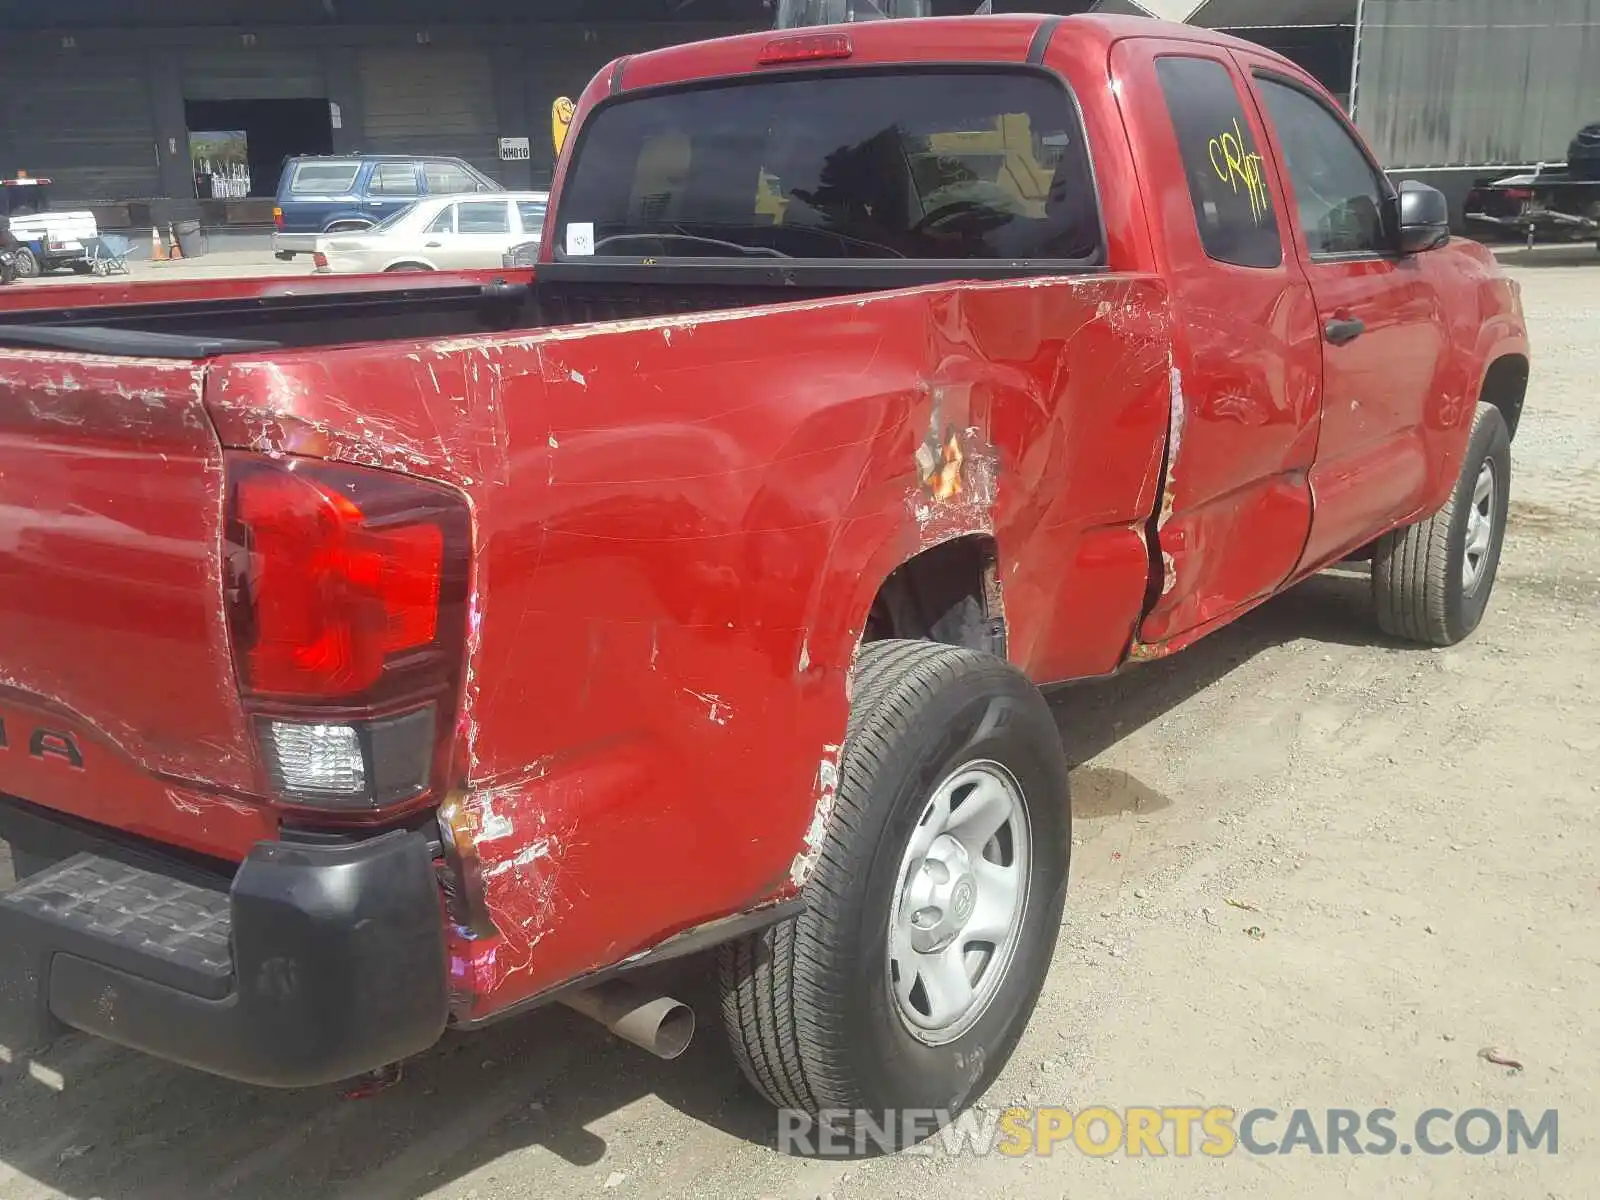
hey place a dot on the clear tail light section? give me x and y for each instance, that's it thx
(347, 594)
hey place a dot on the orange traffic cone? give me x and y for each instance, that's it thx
(177, 247)
(158, 250)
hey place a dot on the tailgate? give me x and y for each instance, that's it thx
(117, 688)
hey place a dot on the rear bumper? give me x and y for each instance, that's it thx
(294, 243)
(316, 964)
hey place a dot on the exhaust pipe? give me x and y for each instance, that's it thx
(652, 1022)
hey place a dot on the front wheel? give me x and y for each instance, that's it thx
(932, 912)
(1431, 581)
(27, 264)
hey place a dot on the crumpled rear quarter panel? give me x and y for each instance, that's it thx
(680, 526)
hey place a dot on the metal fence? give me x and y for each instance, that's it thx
(1465, 83)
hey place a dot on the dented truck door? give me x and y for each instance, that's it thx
(1235, 507)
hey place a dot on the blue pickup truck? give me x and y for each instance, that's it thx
(344, 194)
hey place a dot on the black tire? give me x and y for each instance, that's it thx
(808, 1004)
(407, 266)
(1418, 584)
(27, 264)
(284, 255)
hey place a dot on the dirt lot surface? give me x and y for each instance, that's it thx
(1414, 833)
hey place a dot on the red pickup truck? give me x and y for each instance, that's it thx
(385, 655)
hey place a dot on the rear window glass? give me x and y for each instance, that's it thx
(925, 165)
(325, 178)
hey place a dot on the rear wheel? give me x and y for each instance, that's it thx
(1431, 581)
(933, 909)
(284, 255)
(27, 263)
(408, 266)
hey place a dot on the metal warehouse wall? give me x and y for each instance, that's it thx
(1476, 82)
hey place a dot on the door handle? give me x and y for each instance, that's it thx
(432, 245)
(1344, 329)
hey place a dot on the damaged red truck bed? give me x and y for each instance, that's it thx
(381, 657)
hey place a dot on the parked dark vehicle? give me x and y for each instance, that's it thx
(348, 194)
(1562, 200)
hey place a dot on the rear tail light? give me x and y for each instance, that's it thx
(347, 598)
(1519, 193)
(320, 261)
(277, 217)
(806, 47)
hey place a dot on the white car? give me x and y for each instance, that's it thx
(443, 233)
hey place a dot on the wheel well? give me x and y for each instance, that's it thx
(949, 593)
(1504, 386)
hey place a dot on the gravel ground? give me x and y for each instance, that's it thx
(1411, 833)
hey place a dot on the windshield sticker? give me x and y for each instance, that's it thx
(580, 238)
(1238, 168)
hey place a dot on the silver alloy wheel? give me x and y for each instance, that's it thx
(958, 905)
(1480, 529)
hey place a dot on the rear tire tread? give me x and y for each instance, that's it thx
(776, 983)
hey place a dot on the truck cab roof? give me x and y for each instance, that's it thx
(1017, 38)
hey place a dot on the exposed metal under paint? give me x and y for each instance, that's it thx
(827, 792)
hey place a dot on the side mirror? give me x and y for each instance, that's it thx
(1424, 217)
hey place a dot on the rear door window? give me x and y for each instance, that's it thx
(483, 216)
(445, 222)
(1226, 173)
(448, 179)
(393, 179)
(984, 164)
(324, 178)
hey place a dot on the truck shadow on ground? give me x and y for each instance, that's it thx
(98, 1121)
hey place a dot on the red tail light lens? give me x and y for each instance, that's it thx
(343, 578)
(320, 261)
(806, 47)
(277, 217)
(1519, 193)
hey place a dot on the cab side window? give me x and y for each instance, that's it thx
(1338, 194)
(1226, 173)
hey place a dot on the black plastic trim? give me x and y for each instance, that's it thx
(1040, 46)
(130, 343)
(690, 941)
(340, 967)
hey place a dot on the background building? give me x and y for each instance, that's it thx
(124, 102)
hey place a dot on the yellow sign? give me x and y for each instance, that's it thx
(561, 113)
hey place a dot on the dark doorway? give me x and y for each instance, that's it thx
(273, 130)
